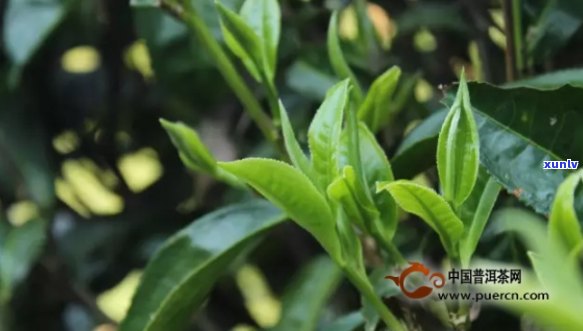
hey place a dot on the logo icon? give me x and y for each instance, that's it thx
(437, 279)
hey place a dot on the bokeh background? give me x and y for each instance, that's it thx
(90, 184)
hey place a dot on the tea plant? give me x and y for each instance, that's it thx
(344, 190)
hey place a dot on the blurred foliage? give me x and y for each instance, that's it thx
(91, 186)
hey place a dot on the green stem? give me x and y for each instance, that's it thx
(272, 98)
(365, 288)
(391, 250)
(517, 30)
(189, 16)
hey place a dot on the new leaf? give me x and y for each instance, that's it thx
(430, 207)
(458, 149)
(324, 133)
(292, 191)
(563, 224)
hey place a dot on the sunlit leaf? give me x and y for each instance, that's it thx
(292, 191)
(430, 207)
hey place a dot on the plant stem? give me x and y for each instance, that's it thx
(189, 16)
(365, 288)
(517, 30)
(510, 43)
(392, 250)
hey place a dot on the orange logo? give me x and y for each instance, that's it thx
(421, 291)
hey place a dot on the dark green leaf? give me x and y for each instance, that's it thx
(27, 24)
(458, 149)
(324, 133)
(519, 128)
(551, 80)
(429, 206)
(558, 22)
(178, 279)
(291, 190)
(309, 81)
(304, 301)
(19, 249)
(375, 109)
(417, 151)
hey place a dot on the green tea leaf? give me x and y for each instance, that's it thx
(563, 224)
(292, 191)
(559, 277)
(192, 151)
(339, 190)
(305, 299)
(458, 149)
(295, 152)
(19, 249)
(475, 213)
(264, 18)
(429, 206)
(376, 168)
(242, 41)
(352, 257)
(337, 58)
(550, 80)
(374, 111)
(324, 133)
(180, 276)
(519, 128)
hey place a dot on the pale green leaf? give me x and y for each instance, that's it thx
(191, 149)
(475, 213)
(324, 133)
(264, 18)
(291, 190)
(563, 223)
(375, 109)
(337, 60)
(295, 152)
(429, 206)
(376, 168)
(458, 149)
(241, 40)
(180, 276)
